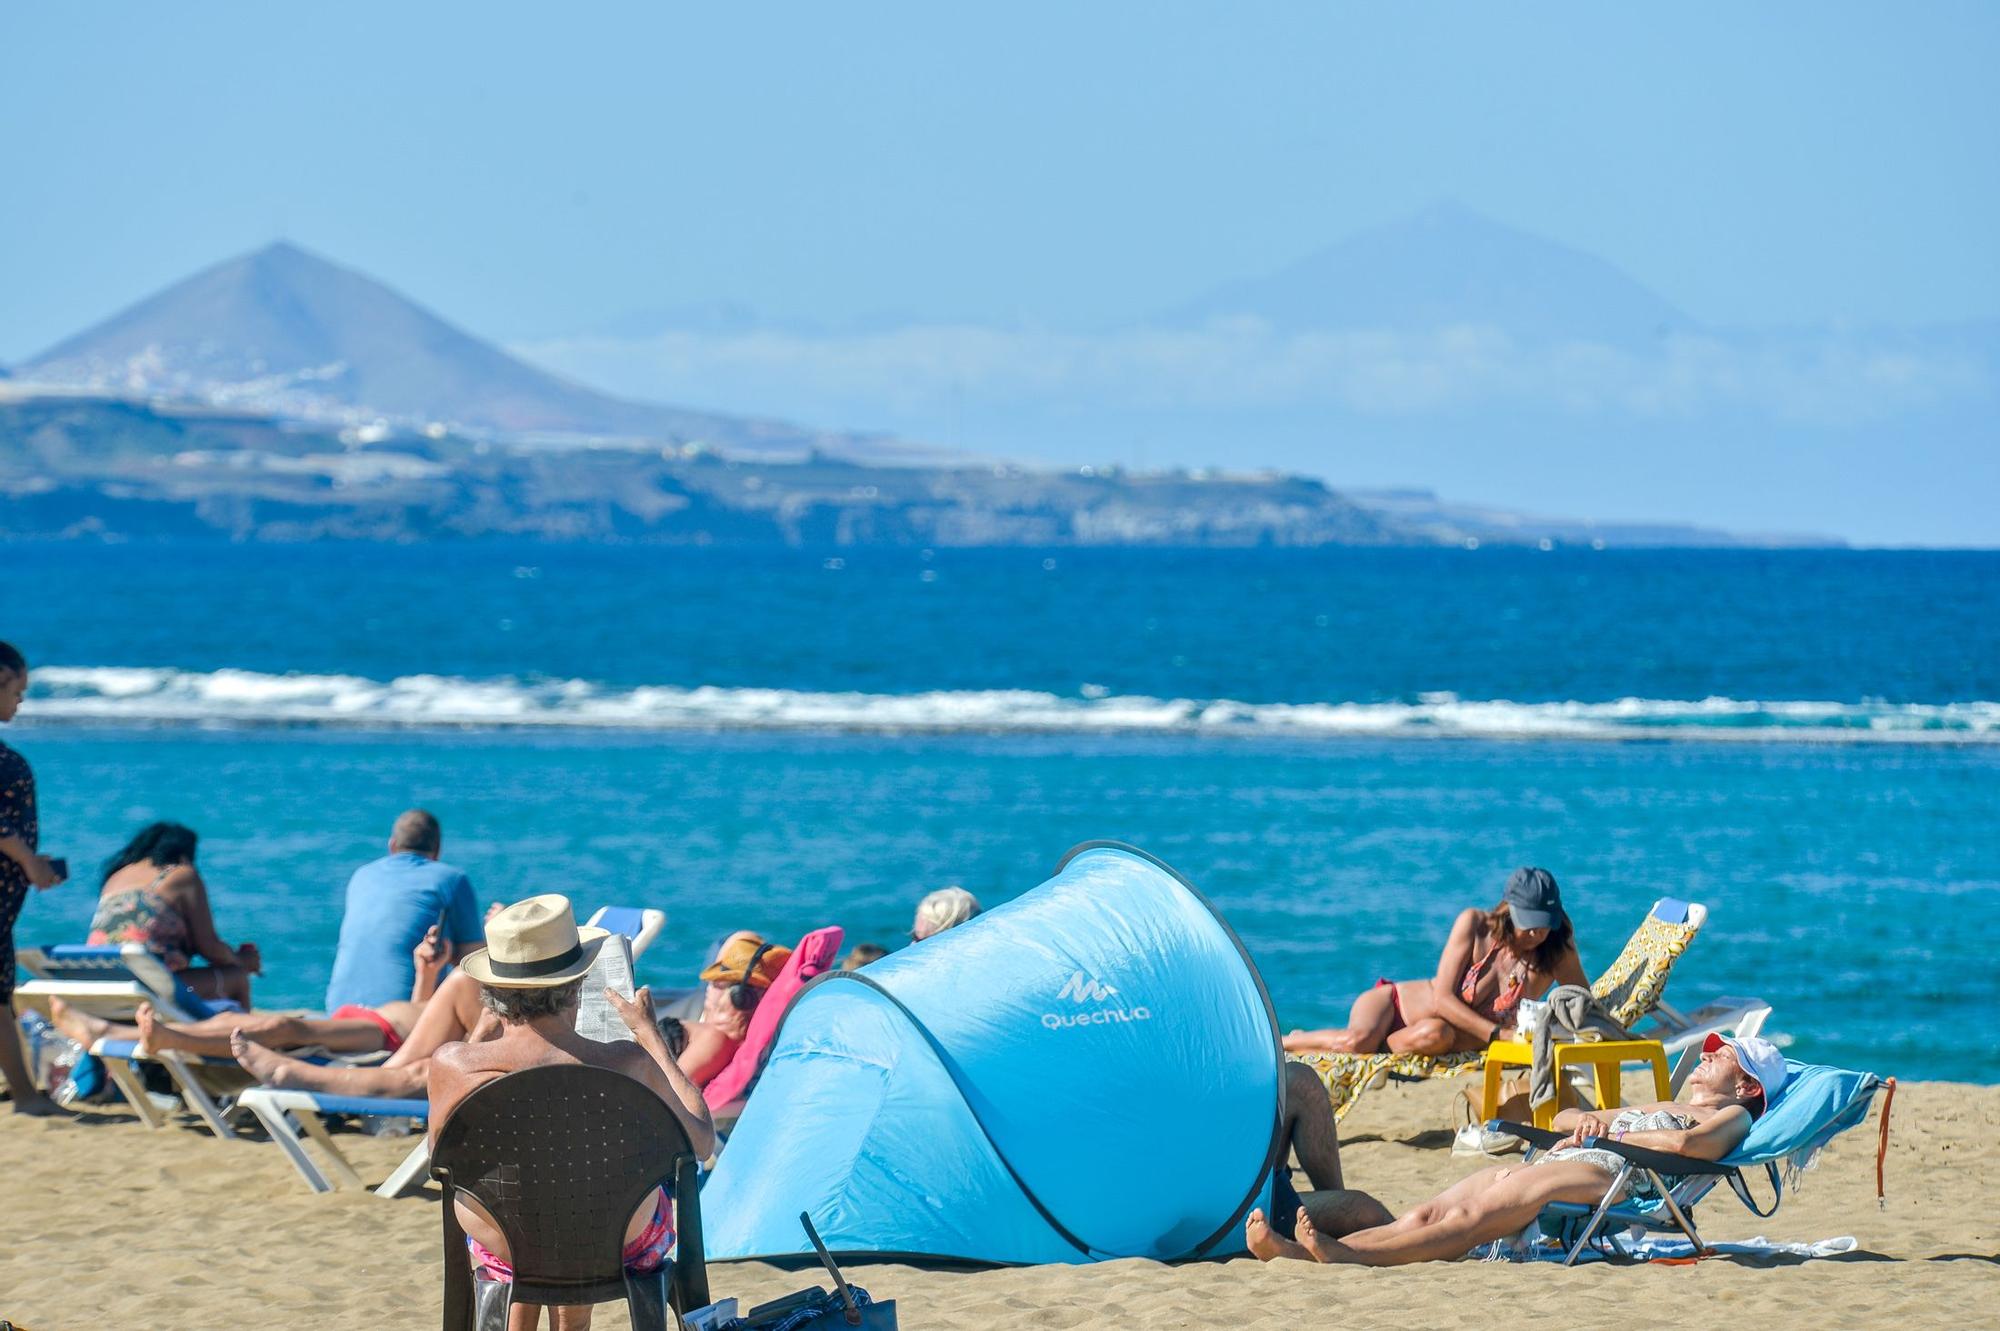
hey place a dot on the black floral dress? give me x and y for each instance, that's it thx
(17, 819)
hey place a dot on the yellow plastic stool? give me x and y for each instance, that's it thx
(1603, 1056)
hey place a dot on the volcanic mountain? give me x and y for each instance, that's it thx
(284, 331)
(1448, 267)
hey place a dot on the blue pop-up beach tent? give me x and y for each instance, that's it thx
(1087, 1072)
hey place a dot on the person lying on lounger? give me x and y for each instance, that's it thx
(736, 980)
(349, 1030)
(1717, 1105)
(1492, 961)
(530, 980)
(454, 1013)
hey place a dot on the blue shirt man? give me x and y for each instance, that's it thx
(390, 904)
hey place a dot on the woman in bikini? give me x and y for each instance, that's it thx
(153, 894)
(1492, 961)
(1718, 1103)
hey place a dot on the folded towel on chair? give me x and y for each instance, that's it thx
(1574, 1014)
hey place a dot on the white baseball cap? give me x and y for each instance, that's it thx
(1759, 1058)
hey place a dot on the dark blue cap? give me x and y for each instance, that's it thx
(1533, 899)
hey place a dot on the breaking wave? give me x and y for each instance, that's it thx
(153, 696)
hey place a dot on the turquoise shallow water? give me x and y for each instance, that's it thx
(1857, 887)
(782, 739)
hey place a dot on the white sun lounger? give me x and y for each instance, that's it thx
(291, 1116)
(110, 980)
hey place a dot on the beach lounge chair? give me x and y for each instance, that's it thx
(640, 927)
(291, 1116)
(111, 980)
(1630, 990)
(1816, 1104)
(561, 1157)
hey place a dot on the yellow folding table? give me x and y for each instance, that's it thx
(1603, 1057)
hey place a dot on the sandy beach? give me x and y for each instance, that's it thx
(112, 1225)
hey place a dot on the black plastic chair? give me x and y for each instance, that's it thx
(561, 1157)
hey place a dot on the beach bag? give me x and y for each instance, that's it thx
(816, 1309)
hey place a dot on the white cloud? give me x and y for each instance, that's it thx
(928, 372)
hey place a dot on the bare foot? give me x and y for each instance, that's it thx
(81, 1027)
(1266, 1244)
(151, 1034)
(268, 1066)
(1323, 1249)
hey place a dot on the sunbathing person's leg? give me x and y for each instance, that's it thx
(405, 1081)
(1488, 1205)
(1338, 1211)
(453, 1013)
(1309, 1126)
(1430, 1035)
(1369, 1022)
(210, 1035)
(1310, 1129)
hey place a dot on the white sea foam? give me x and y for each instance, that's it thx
(149, 696)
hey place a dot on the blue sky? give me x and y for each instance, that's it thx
(540, 176)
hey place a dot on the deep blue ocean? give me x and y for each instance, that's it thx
(1342, 748)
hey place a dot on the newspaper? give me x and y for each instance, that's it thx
(596, 1019)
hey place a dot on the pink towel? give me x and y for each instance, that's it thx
(813, 955)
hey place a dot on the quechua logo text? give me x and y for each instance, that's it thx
(1083, 989)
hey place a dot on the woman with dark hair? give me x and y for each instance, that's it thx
(1493, 960)
(22, 866)
(153, 894)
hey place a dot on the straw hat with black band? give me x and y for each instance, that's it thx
(535, 944)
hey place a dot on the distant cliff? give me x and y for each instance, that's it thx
(87, 467)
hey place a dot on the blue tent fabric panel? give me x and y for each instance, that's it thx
(1090, 1071)
(875, 1142)
(1108, 1036)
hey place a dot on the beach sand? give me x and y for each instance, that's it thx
(108, 1224)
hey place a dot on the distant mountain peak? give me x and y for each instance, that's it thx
(284, 330)
(1448, 266)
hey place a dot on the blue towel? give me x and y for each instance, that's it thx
(1816, 1104)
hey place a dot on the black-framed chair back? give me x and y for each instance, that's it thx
(560, 1157)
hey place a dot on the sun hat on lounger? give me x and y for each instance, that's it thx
(535, 944)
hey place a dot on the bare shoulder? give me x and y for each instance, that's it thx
(453, 1055)
(182, 878)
